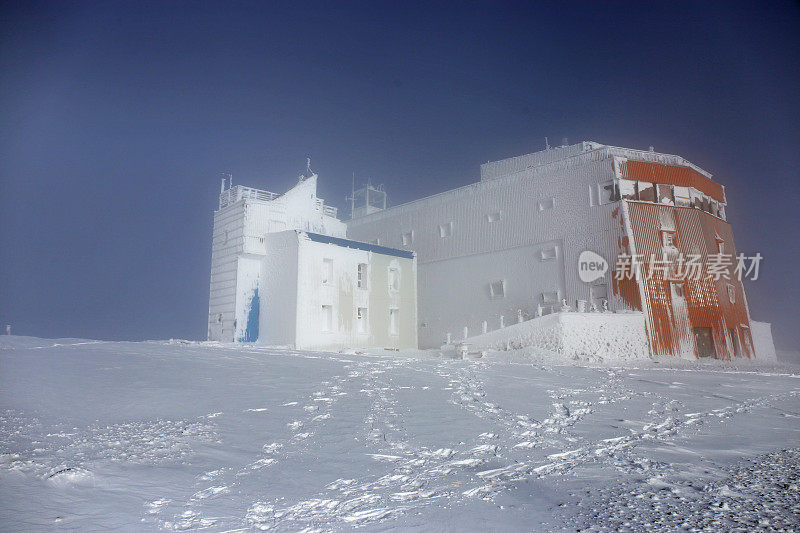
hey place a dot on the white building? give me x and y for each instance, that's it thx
(322, 292)
(506, 249)
(506, 244)
(283, 273)
(485, 256)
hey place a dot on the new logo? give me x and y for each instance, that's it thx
(591, 266)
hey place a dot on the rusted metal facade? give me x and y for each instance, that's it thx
(672, 175)
(691, 312)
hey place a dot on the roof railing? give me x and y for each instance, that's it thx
(240, 192)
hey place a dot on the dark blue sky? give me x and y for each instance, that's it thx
(116, 119)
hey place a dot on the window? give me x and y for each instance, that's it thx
(668, 239)
(394, 279)
(665, 195)
(682, 196)
(361, 276)
(394, 321)
(497, 289)
(408, 238)
(327, 318)
(627, 189)
(549, 254)
(608, 192)
(737, 350)
(445, 230)
(731, 293)
(697, 198)
(548, 203)
(361, 319)
(327, 271)
(647, 191)
(497, 216)
(678, 290)
(550, 297)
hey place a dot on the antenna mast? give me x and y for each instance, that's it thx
(353, 195)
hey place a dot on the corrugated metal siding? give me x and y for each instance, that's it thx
(228, 239)
(675, 175)
(707, 299)
(573, 224)
(504, 167)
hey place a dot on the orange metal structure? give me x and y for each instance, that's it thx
(702, 314)
(673, 175)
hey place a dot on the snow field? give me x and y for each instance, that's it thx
(186, 436)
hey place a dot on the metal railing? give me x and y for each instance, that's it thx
(239, 192)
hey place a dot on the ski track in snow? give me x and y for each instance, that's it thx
(404, 474)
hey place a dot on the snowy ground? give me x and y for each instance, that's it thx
(142, 436)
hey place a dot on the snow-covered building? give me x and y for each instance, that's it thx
(509, 248)
(282, 272)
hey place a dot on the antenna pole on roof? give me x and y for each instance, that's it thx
(229, 175)
(353, 195)
(546, 144)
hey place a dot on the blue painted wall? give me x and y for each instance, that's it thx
(251, 331)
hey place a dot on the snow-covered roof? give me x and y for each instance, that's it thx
(347, 243)
(512, 165)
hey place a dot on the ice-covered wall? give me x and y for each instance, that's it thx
(304, 211)
(239, 237)
(278, 290)
(762, 341)
(340, 291)
(589, 336)
(511, 218)
(227, 244)
(465, 306)
(248, 276)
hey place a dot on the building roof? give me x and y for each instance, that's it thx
(347, 243)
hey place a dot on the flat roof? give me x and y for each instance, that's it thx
(347, 243)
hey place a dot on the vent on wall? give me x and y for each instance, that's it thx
(445, 230)
(497, 289)
(547, 203)
(550, 297)
(548, 254)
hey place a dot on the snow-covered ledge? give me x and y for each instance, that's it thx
(593, 336)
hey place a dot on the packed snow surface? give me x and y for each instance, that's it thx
(177, 435)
